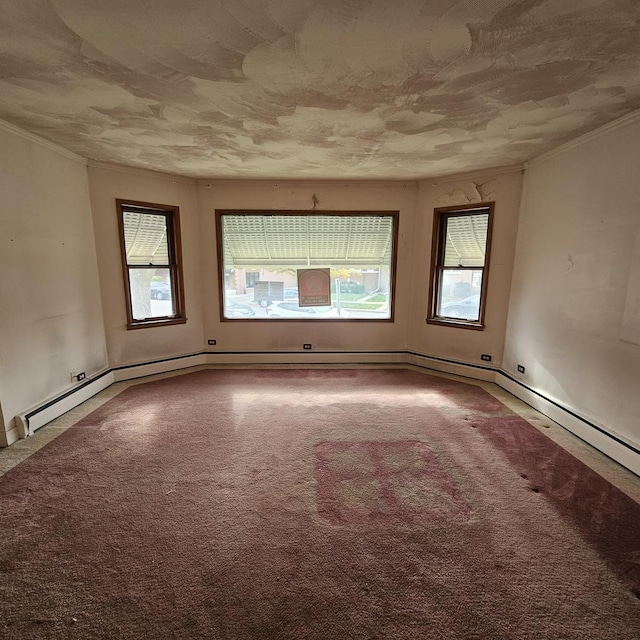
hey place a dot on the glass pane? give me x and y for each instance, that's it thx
(262, 255)
(145, 238)
(305, 240)
(460, 294)
(466, 240)
(151, 293)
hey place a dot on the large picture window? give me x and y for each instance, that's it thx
(270, 262)
(150, 243)
(460, 264)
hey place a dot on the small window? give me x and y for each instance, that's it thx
(307, 266)
(252, 278)
(150, 243)
(460, 265)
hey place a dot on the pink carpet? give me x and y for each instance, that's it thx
(313, 504)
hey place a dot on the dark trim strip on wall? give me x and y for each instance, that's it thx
(123, 367)
(569, 411)
(342, 353)
(456, 362)
(533, 391)
(66, 394)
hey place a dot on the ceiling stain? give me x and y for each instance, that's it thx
(398, 89)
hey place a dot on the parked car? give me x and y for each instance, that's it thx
(234, 310)
(160, 290)
(466, 308)
(292, 310)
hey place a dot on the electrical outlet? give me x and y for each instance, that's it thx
(212, 343)
(306, 346)
(81, 376)
(73, 376)
(520, 368)
(486, 357)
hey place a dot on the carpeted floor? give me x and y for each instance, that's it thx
(313, 504)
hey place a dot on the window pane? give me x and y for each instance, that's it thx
(460, 294)
(270, 249)
(151, 293)
(145, 238)
(466, 243)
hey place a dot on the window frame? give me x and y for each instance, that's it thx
(394, 215)
(438, 244)
(171, 215)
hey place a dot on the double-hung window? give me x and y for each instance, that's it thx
(460, 265)
(151, 261)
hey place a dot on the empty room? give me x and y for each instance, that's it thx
(320, 319)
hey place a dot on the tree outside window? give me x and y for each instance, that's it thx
(460, 265)
(150, 243)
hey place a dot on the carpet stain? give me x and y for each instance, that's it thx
(385, 482)
(312, 505)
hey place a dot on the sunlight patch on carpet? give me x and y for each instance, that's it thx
(385, 482)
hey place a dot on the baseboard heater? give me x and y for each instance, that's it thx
(609, 443)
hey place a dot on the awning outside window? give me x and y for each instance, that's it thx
(307, 240)
(145, 238)
(466, 244)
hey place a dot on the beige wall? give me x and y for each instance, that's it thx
(50, 311)
(574, 303)
(574, 319)
(290, 336)
(149, 343)
(466, 345)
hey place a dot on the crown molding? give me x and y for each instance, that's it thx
(32, 137)
(148, 173)
(624, 121)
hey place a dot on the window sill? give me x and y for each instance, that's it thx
(460, 324)
(156, 322)
(306, 320)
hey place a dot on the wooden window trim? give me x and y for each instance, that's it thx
(395, 215)
(174, 242)
(438, 244)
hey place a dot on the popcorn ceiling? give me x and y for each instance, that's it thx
(317, 89)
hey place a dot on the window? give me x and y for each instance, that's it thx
(349, 256)
(150, 243)
(252, 278)
(460, 265)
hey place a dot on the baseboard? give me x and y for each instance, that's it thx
(144, 369)
(464, 369)
(44, 413)
(28, 422)
(306, 358)
(10, 436)
(612, 445)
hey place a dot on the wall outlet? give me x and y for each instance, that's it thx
(81, 376)
(520, 368)
(306, 346)
(212, 343)
(486, 357)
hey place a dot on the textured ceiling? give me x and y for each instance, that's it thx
(316, 88)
